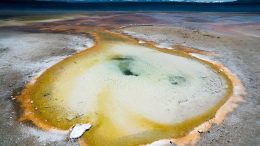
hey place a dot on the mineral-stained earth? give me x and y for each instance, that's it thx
(136, 82)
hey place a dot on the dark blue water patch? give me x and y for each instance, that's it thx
(132, 6)
(124, 64)
(176, 80)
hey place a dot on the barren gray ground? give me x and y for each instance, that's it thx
(23, 55)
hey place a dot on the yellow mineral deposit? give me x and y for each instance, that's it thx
(131, 94)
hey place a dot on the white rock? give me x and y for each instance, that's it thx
(162, 143)
(141, 42)
(78, 130)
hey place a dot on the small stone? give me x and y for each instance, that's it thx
(162, 143)
(141, 42)
(78, 130)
